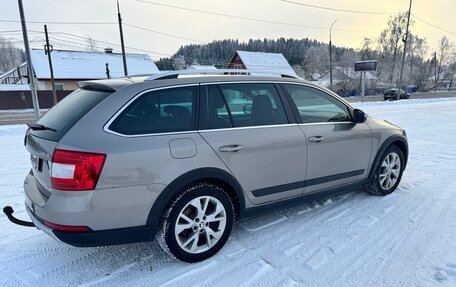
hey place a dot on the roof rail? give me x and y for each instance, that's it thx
(177, 73)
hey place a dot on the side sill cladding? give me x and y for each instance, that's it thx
(385, 145)
(201, 174)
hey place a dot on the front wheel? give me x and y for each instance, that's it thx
(197, 223)
(388, 172)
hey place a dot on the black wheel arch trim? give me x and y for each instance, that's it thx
(193, 176)
(388, 142)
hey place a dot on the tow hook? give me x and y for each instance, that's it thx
(8, 210)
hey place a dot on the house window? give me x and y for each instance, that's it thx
(59, 87)
(238, 66)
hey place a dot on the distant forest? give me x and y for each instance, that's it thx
(300, 53)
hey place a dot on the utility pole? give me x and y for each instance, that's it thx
(363, 85)
(31, 78)
(435, 72)
(122, 40)
(47, 50)
(405, 49)
(330, 55)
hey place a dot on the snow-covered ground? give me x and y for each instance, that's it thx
(405, 239)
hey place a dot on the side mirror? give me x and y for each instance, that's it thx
(359, 116)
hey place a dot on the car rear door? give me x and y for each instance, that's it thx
(339, 150)
(247, 126)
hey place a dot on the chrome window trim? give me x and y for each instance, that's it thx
(272, 126)
(154, 134)
(325, 123)
(129, 102)
(247, 128)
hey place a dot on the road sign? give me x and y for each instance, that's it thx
(370, 65)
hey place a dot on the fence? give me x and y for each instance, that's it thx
(19, 100)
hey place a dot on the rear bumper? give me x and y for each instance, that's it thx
(96, 238)
(112, 219)
(105, 237)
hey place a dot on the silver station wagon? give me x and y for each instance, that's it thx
(179, 156)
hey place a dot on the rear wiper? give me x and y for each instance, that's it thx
(40, 127)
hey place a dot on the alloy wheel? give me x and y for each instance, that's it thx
(390, 171)
(200, 224)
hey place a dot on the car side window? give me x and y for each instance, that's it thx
(242, 105)
(167, 110)
(219, 117)
(316, 106)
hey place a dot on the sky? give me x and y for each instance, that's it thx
(191, 27)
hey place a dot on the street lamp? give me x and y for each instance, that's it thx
(330, 55)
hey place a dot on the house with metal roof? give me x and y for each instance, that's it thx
(71, 67)
(261, 61)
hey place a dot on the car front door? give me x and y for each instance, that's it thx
(338, 149)
(249, 130)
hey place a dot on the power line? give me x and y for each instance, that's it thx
(126, 24)
(65, 34)
(60, 22)
(72, 36)
(430, 24)
(339, 10)
(34, 40)
(246, 18)
(162, 33)
(11, 31)
(68, 40)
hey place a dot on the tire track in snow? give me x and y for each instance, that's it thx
(323, 249)
(366, 245)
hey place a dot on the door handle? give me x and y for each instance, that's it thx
(230, 148)
(316, 139)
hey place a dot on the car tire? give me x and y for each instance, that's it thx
(388, 172)
(197, 223)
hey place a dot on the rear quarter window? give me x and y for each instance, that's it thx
(159, 111)
(63, 116)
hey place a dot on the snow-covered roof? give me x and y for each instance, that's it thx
(266, 61)
(201, 67)
(14, 88)
(89, 65)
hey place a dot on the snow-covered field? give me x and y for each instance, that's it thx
(405, 239)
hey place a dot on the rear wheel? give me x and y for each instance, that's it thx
(388, 172)
(197, 223)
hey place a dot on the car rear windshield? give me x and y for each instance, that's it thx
(68, 112)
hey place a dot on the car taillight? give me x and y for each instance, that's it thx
(74, 170)
(68, 228)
